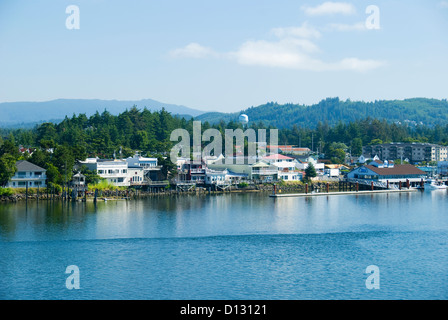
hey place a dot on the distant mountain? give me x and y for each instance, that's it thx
(25, 114)
(332, 110)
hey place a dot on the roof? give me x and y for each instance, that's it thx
(278, 156)
(403, 169)
(23, 165)
(260, 164)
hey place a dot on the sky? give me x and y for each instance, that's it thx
(216, 55)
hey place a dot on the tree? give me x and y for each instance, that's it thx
(356, 147)
(310, 171)
(7, 168)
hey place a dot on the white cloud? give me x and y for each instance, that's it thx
(348, 27)
(443, 4)
(330, 8)
(294, 48)
(305, 31)
(193, 50)
(291, 54)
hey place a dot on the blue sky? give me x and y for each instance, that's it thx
(223, 55)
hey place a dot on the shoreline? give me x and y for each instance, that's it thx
(131, 194)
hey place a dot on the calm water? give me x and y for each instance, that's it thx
(240, 246)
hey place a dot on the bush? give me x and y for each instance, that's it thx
(243, 185)
(103, 185)
(7, 192)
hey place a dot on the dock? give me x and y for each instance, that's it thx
(341, 193)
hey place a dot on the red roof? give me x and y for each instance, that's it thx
(278, 156)
(403, 169)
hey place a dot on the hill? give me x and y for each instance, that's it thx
(26, 114)
(332, 110)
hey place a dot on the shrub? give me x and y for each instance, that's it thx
(6, 192)
(243, 185)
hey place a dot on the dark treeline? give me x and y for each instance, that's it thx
(103, 135)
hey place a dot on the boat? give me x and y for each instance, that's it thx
(432, 184)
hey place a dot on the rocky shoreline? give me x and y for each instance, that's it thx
(135, 193)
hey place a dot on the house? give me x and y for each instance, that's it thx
(114, 171)
(28, 174)
(189, 170)
(79, 182)
(151, 170)
(264, 172)
(303, 165)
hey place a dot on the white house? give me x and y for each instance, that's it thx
(28, 174)
(114, 171)
(302, 165)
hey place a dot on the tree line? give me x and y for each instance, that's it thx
(58, 146)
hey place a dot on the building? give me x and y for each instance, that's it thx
(414, 152)
(388, 172)
(442, 168)
(151, 170)
(303, 165)
(114, 171)
(289, 149)
(28, 174)
(78, 182)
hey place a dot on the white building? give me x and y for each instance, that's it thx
(302, 165)
(114, 171)
(28, 174)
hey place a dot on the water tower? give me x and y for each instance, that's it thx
(244, 119)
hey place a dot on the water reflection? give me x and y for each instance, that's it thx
(228, 214)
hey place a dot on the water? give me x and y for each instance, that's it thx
(234, 246)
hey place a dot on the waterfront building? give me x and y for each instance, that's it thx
(442, 168)
(78, 182)
(28, 174)
(150, 168)
(114, 171)
(388, 172)
(414, 152)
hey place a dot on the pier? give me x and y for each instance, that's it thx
(341, 193)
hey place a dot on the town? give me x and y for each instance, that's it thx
(290, 166)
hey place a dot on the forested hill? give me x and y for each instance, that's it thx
(332, 110)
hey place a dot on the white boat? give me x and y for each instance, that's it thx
(432, 184)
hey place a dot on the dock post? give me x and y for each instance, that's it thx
(371, 185)
(275, 188)
(399, 185)
(407, 183)
(306, 188)
(422, 184)
(387, 184)
(328, 187)
(357, 186)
